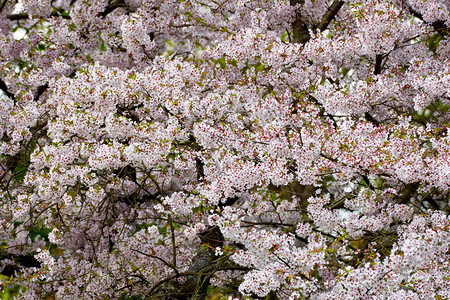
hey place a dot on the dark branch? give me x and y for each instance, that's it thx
(367, 181)
(330, 14)
(20, 16)
(2, 5)
(228, 202)
(300, 30)
(407, 192)
(40, 90)
(212, 236)
(157, 258)
(27, 261)
(371, 119)
(438, 25)
(378, 62)
(322, 110)
(4, 88)
(112, 6)
(199, 167)
(24, 16)
(376, 71)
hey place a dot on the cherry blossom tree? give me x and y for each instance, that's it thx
(162, 149)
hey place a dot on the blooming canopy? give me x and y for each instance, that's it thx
(170, 149)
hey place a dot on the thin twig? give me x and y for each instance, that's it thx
(174, 247)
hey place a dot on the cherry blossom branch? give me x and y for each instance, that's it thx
(28, 261)
(299, 30)
(330, 14)
(180, 292)
(378, 61)
(112, 6)
(438, 25)
(20, 16)
(174, 246)
(40, 90)
(173, 267)
(161, 282)
(25, 16)
(322, 111)
(4, 88)
(2, 5)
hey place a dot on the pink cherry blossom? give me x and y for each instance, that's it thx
(172, 149)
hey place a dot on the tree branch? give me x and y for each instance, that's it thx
(174, 247)
(40, 90)
(2, 5)
(330, 14)
(4, 88)
(28, 261)
(21, 16)
(378, 61)
(300, 30)
(24, 16)
(322, 110)
(438, 25)
(112, 6)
